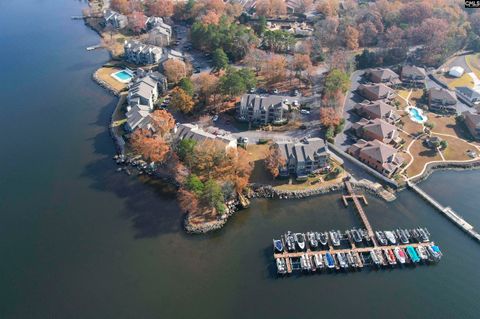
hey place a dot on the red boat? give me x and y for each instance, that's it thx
(391, 257)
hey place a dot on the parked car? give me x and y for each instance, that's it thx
(296, 92)
(303, 111)
(275, 91)
(295, 103)
(215, 118)
(252, 90)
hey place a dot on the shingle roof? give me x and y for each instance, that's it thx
(379, 90)
(468, 92)
(261, 101)
(377, 127)
(378, 108)
(473, 118)
(381, 74)
(442, 94)
(304, 150)
(412, 70)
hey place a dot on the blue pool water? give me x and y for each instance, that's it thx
(124, 75)
(415, 114)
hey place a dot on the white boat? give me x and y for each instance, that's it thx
(391, 237)
(281, 266)
(317, 259)
(400, 254)
(334, 238)
(300, 240)
(374, 257)
(422, 252)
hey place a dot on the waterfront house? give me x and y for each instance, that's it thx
(262, 109)
(376, 129)
(140, 53)
(381, 75)
(377, 110)
(199, 135)
(468, 96)
(413, 75)
(144, 91)
(115, 19)
(153, 22)
(159, 36)
(378, 155)
(303, 157)
(442, 100)
(472, 122)
(138, 116)
(374, 92)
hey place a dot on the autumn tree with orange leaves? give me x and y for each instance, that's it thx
(329, 117)
(160, 8)
(181, 100)
(136, 21)
(271, 8)
(151, 146)
(274, 69)
(274, 160)
(162, 122)
(175, 70)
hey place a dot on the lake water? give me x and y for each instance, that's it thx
(78, 240)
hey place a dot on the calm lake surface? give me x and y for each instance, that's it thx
(78, 240)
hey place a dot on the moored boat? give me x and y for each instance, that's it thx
(434, 253)
(422, 252)
(305, 262)
(342, 260)
(300, 240)
(350, 260)
(423, 235)
(374, 257)
(382, 240)
(317, 259)
(390, 257)
(391, 237)
(312, 241)
(356, 236)
(329, 261)
(402, 236)
(323, 238)
(412, 254)
(334, 238)
(400, 255)
(281, 266)
(290, 241)
(278, 245)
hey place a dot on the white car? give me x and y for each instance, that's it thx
(305, 111)
(215, 118)
(295, 103)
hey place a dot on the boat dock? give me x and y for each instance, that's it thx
(94, 47)
(354, 249)
(447, 211)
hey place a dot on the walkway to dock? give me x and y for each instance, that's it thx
(360, 210)
(447, 211)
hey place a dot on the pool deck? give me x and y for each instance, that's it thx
(104, 74)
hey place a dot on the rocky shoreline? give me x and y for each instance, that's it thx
(105, 85)
(193, 227)
(267, 191)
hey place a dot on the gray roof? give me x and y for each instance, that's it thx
(412, 70)
(473, 118)
(139, 117)
(137, 46)
(468, 92)
(379, 108)
(304, 150)
(377, 127)
(379, 90)
(382, 74)
(193, 132)
(380, 152)
(443, 95)
(262, 101)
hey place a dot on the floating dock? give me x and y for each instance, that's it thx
(359, 250)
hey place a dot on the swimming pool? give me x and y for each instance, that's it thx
(123, 76)
(416, 115)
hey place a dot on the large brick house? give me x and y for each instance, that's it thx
(377, 110)
(413, 75)
(442, 101)
(376, 129)
(381, 75)
(472, 122)
(374, 92)
(380, 156)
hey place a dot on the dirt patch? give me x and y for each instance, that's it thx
(456, 150)
(421, 155)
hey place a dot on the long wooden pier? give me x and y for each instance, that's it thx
(447, 211)
(360, 210)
